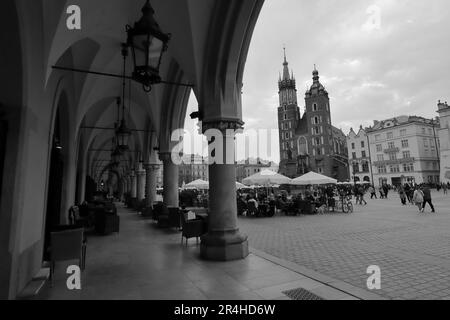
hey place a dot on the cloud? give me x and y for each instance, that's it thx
(400, 68)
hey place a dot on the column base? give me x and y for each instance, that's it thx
(224, 246)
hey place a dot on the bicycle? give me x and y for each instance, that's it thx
(345, 204)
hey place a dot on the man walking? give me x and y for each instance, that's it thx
(372, 192)
(427, 199)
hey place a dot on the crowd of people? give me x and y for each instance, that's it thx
(409, 193)
(319, 199)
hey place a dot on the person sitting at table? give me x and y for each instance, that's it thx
(252, 206)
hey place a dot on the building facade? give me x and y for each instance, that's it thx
(193, 167)
(444, 138)
(360, 163)
(404, 150)
(249, 167)
(309, 142)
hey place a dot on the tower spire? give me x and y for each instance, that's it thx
(286, 75)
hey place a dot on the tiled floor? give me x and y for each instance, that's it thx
(144, 262)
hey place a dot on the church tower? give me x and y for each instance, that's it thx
(288, 113)
(318, 117)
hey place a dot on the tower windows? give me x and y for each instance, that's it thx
(316, 120)
(285, 117)
(315, 108)
(316, 130)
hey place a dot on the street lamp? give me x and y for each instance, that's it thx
(148, 44)
(123, 133)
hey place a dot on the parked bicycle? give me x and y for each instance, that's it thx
(345, 204)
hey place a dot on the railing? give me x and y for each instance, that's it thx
(390, 162)
(392, 150)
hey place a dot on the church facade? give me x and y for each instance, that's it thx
(308, 140)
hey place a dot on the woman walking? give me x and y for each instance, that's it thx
(418, 198)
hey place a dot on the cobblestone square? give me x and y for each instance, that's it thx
(411, 249)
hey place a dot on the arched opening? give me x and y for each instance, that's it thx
(55, 183)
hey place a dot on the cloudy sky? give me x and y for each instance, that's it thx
(377, 58)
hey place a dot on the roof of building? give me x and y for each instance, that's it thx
(401, 120)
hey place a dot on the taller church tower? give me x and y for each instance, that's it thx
(288, 114)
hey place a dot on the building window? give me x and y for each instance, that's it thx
(365, 166)
(405, 144)
(285, 117)
(319, 152)
(379, 148)
(403, 132)
(390, 135)
(363, 144)
(377, 137)
(392, 156)
(353, 155)
(380, 157)
(316, 130)
(394, 168)
(381, 169)
(315, 107)
(406, 154)
(391, 145)
(408, 167)
(317, 140)
(363, 154)
(353, 146)
(316, 120)
(355, 168)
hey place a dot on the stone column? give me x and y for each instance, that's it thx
(170, 177)
(151, 170)
(223, 242)
(141, 185)
(125, 185)
(82, 182)
(133, 185)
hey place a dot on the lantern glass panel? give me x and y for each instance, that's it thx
(147, 51)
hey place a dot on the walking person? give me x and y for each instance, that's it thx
(402, 195)
(372, 192)
(385, 191)
(445, 188)
(427, 199)
(361, 196)
(418, 198)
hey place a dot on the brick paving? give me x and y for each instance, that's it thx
(412, 249)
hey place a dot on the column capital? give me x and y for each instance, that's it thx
(151, 166)
(165, 156)
(222, 124)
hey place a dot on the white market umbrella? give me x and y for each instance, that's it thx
(313, 178)
(240, 186)
(198, 184)
(266, 178)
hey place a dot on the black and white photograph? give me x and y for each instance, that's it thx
(229, 157)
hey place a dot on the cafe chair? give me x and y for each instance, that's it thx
(65, 245)
(191, 227)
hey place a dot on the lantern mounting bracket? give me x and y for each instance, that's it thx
(105, 74)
